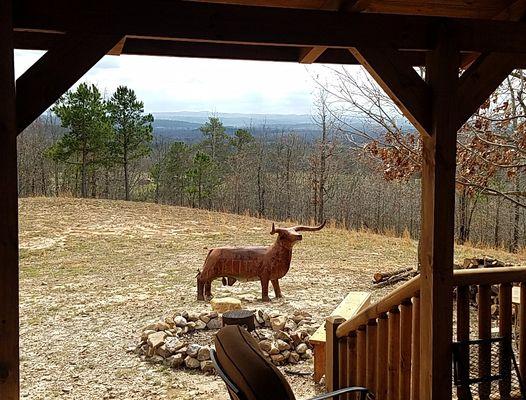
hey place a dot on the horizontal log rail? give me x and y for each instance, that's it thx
(380, 346)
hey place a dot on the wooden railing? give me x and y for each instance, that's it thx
(379, 348)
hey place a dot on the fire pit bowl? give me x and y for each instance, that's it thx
(243, 318)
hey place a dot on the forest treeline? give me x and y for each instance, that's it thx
(104, 148)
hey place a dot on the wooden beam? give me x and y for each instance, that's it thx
(480, 80)
(355, 5)
(63, 65)
(222, 23)
(437, 222)
(117, 49)
(310, 54)
(9, 291)
(400, 81)
(513, 12)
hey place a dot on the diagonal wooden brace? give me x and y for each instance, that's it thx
(53, 74)
(401, 82)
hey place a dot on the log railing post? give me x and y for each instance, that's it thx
(505, 332)
(381, 359)
(351, 361)
(522, 332)
(484, 318)
(332, 374)
(463, 321)
(415, 350)
(342, 363)
(361, 356)
(9, 286)
(404, 385)
(393, 357)
(370, 369)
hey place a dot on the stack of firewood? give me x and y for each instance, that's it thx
(486, 262)
(381, 279)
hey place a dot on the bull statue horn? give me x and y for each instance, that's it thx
(300, 228)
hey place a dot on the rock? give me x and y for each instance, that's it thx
(156, 339)
(163, 352)
(169, 321)
(146, 333)
(204, 317)
(191, 362)
(273, 349)
(204, 353)
(184, 314)
(193, 316)
(214, 323)
(224, 304)
(301, 348)
(307, 355)
(265, 345)
(278, 323)
(150, 327)
(213, 314)
(200, 325)
(282, 345)
(286, 354)
(180, 321)
(182, 350)
(281, 335)
(175, 361)
(174, 344)
(156, 359)
(260, 319)
(290, 325)
(162, 326)
(207, 367)
(190, 326)
(193, 349)
(296, 339)
(277, 359)
(294, 357)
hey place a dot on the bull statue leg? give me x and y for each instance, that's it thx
(208, 290)
(264, 289)
(200, 289)
(277, 290)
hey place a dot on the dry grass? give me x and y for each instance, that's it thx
(94, 272)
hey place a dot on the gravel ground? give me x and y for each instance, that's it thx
(94, 272)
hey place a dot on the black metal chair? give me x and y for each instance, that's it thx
(250, 376)
(490, 365)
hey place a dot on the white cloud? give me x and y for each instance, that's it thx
(176, 84)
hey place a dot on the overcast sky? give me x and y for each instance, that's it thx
(186, 84)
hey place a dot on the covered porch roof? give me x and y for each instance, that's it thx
(486, 38)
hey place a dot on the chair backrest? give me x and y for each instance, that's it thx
(244, 368)
(487, 367)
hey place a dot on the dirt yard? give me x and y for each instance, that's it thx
(94, 272)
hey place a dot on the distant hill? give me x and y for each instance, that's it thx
(184, 125)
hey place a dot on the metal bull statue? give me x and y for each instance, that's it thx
(263, 263)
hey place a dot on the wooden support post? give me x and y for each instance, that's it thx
(370, 369)
(9, 312)
(415, 351)
(381, 359)
(437, 222)
(505, 332)
(462, 335)
(331, 353)
(393, 356)
(522, 332)
(404, 385)
(484, 317)
(361, 351)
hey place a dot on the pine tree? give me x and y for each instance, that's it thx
(84, 144)
(132, 131)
